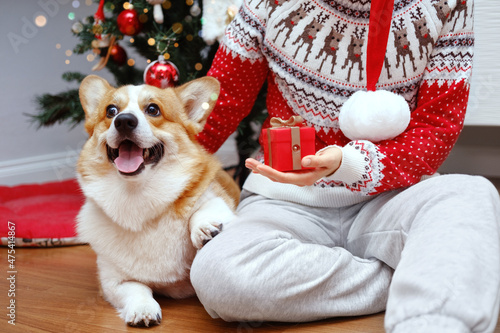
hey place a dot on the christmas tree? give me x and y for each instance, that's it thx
(167, 34)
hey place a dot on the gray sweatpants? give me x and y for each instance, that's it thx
(429, 255)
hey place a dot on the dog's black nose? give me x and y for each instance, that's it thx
(126, 123)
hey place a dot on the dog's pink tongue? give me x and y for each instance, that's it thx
(129, 158)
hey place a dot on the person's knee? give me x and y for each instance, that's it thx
(209, 272)
(226, 274)
(466, 183)
(217, 280)
(487, 187)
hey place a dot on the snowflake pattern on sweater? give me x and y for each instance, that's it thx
(313, 55)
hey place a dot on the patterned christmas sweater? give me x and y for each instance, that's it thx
(313, 55)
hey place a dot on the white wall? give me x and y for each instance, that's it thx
(484, 99)
(31, 65)
(478, 148)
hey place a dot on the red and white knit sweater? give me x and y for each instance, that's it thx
(313, 54)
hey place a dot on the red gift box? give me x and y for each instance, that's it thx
(286, 143)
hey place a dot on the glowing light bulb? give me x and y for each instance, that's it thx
(40, 20)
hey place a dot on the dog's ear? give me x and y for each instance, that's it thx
(92, 90)
(199, 97)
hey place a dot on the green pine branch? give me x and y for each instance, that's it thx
(73, 76)
(125, 74)
(64, 107)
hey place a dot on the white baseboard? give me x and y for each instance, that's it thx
(39, 169)
(473, 160)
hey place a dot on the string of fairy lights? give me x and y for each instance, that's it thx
(41, 20)
(162, 42)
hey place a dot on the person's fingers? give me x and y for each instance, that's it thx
(252, 164)
(328, 160)
(300, 177)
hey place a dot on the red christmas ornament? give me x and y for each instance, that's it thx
(118, 54)
(128, 22)
(161, 74)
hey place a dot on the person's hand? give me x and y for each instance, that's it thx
(324, 163)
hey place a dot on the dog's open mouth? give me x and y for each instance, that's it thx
(131, 160)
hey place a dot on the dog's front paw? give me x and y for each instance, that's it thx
(143, 314)
(203, 233)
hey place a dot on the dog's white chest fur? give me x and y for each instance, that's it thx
(159, 253)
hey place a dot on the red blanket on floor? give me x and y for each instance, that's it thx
(40, 214)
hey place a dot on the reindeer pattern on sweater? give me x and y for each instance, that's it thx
(313, 54)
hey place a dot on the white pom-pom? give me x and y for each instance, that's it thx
(216, 16)
(374, 115)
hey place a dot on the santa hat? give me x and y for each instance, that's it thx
(375, 115)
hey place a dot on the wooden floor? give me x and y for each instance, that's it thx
(56, 290)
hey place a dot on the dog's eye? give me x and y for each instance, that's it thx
(111, 111)
(153, 110)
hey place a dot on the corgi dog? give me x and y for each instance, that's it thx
(154, 196)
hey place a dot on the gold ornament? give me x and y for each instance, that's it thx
(231, 13)
(97, 29)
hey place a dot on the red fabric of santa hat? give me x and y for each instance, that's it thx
(375, 115)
